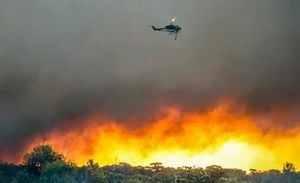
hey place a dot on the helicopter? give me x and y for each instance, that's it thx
(171, 28)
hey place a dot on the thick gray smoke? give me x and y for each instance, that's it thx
(64, 58)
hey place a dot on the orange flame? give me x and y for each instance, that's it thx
(218, 136)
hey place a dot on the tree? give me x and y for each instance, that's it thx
(58, 172)
(215, 172)
(289, 173)
(36, 160)
(288, 168)
(271, 176)
(91, 173)
(156, 166)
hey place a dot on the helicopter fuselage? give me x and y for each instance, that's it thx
(171, 29)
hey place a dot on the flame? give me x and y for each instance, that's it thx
(218, 136)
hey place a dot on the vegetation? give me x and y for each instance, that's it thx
(42, 155)
(44, 165)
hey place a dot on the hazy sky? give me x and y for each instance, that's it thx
(62, 58)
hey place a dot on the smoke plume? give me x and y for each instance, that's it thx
(62, 59)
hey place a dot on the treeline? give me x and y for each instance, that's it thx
(43, 165)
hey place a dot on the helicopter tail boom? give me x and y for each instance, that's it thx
(156, 29)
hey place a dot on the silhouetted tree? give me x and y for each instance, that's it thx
(156, 166)
(289, 173)
(215, 172)
(288, 168)
(36, 160)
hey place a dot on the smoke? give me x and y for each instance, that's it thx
(61, 59)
